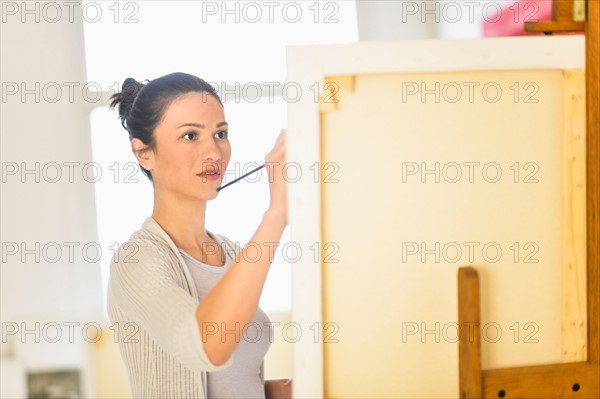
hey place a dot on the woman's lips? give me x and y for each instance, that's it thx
(210, 176)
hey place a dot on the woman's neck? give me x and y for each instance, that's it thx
(182, 220)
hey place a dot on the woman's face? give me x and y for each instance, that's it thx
(191, 138)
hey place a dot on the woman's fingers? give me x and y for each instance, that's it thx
(275, 160)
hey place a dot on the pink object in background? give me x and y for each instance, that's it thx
(510, 20)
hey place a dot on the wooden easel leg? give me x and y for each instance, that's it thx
(469, 344)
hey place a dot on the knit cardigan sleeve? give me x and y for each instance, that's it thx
(143, 284)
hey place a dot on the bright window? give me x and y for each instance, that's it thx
(225, 42)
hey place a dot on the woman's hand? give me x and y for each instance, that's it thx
(275, 162)
(278, 389)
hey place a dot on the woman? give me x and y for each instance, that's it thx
(183, 300)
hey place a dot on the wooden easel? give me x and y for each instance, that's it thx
(562, 380)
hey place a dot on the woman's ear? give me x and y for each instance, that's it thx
(143, 153)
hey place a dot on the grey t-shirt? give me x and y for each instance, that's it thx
(244, 378)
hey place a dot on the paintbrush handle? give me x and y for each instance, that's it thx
(241, 177)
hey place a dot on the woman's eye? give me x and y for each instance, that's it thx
(223, 134)
(190, 134)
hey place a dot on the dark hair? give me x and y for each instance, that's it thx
(142, 105)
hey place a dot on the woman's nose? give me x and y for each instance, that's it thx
(211, 151)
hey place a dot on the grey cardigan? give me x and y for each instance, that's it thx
(151, 303)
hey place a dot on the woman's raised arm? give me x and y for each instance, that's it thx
(226, 309)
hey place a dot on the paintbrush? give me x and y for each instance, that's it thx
(240, 178)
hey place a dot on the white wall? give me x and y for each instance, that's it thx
(418, 19)
(39, 210)
(393, 20)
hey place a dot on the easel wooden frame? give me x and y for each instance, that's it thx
(309, 67)
(563, 380)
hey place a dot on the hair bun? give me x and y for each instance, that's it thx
(125, 99)
(131, 84)
(129, 81)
